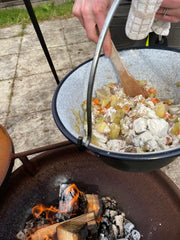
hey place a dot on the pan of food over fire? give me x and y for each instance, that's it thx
(131, 133)
(138, 133)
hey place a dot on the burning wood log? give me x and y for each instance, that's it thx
(72, 231)
(76, 228)
(44, 232)
(68, 228)
(71, 201)
(94, 203)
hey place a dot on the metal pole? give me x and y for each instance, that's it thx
(40, 37)
(94, 66)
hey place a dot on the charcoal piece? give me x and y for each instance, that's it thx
(115, 230)
(113, 213)
(31, 223)
(135, 235)
(112, 232)
(109, 203)
(103, 229)
(119, 223)
(102, 237)
(105, 220)
(107, 213)
(20, 235)
(71, 201)
(128, 227)
(103, 226)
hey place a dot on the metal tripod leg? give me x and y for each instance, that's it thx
(40, 37)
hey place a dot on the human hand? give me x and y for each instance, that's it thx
(173, 11)
(92, 14)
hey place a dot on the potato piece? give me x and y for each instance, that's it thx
(117, 116)
(99, 119)
(160, 109)
(107, 91)
(113, 101)
(104, 101)
(114, 131)
(176, 129)
(94, 140)
(100, 126)
(101, 94)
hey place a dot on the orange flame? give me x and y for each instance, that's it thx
(40, 208)
(63, 208)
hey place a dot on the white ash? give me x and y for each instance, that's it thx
(31, 226)
(114, 225)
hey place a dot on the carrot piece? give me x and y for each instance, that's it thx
(127, 108)
(108, 106)
(96, 101)
(154, 100)
(153, 90)
(102, 110)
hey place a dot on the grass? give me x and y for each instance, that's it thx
(43, 11)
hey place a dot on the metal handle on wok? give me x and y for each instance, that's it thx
(94, 67)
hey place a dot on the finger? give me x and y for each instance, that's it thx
(107, 41)
(91, 31)
(107, 44)
(170, 4)
(77, 12)
(100, 12)
(167, 18)
(170, 11)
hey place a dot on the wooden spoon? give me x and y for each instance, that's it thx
(131, 86)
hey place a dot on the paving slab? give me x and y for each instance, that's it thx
(81, 52)
(8, 66)
(173, 171)
(10, 32)
(74, 35)
(5, 95)
(30, 40)
(41, 88)
(33, 130)
(9, 46)
(35, 62)
(38, 97)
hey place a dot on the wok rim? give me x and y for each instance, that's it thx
(150, 156)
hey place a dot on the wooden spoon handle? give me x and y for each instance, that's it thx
(130, 84)
(117, 61)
